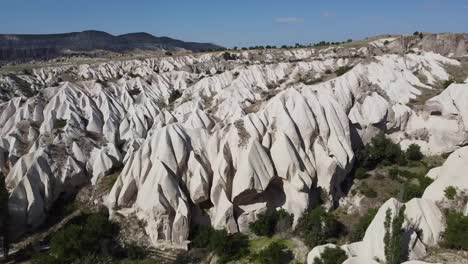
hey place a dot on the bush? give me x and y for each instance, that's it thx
(456, 233)
(44, 259)
(270, 222)
(317, 226)
(331, 256)
(86, 235)
(415, 190)
(328, 71)
(414, 152)
(275, 253)
(447, 83)
(342, 70)
(60, 123)
(381, 150)
(367, 191)
(361, 173)
(393, 172)
(228, 56)
(450, 192)
(359, 230)
(175, 94)
(226, 247)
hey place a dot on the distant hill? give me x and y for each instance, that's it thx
(48, 46)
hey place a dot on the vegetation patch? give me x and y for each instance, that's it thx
(456, 232)
(331, 255)
(450, 192)
(60, 123)
(394, 239)
(317, 227)
(275, 253)
(272, 222)
(90, 237)
(342, 70)
(228, 247)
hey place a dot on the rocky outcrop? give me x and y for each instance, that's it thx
(200, 139)
(449, 175)
(424, 224)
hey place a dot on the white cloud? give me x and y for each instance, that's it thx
(289, 20)
(328, 14)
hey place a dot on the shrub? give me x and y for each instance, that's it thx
(381, 150)
(228, 56)
(450, 192)
(236, 246)
(328, 71)
(175, 94)
(331, 256)
(447, 83)
(60, 123)
(359, 230)
(414, 152)
(275, 253)
(393, 238)
(183, 258)
(267, 223)
(342, 70)
(135, 252)
(361, 173)
(456, 233)
(393, 172)
(226, 247)
(91, 234)
(44, 259)
(367, 191)
(317, 226)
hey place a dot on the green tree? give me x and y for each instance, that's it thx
(275, 253)
(380, 150)
(227, 247)
(450, 192)
(456, 233)
(393, 238)
(414, 152)
(270, 222)
(91, 234)
(4, 216)
(316, 226)
(331, 256)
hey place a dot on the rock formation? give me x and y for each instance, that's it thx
(201, 139)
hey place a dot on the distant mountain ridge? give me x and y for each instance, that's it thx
(19, 47)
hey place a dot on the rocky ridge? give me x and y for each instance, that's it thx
(202, 139)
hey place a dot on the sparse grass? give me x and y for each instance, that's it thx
(108, 182)
(458, 73)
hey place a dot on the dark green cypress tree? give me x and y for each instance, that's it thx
(393, 238)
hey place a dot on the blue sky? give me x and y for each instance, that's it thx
(237, 23)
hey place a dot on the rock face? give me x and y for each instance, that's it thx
(450, 174)
(199, 139)
(424, 224)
